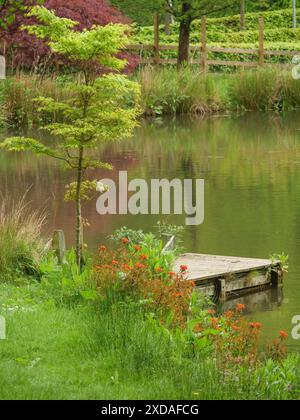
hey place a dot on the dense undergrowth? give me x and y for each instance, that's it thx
(226, 32)
(166, 91)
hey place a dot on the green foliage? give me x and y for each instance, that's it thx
(225, 32)
(168, 92)
(18, 93)
(9, 9)
(140, 11)
(99, 109)
(100, 43)
(21, 246)
(151, 243)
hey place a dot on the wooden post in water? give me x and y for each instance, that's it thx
(156, 39)
(59, 245)
(203, 45)
(261, 53)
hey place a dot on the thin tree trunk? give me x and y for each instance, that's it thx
(79, 230)
(184, 35)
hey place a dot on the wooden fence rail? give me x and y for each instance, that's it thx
(204, 49)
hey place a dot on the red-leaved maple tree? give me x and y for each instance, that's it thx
(25, 51)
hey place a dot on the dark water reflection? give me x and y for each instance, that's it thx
(251, 166)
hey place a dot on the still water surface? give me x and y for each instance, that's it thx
(251, 168)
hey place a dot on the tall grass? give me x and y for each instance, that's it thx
(168, 91)
(165, 91)
(18, 94)
(21, 244)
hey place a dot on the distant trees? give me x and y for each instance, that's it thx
(185, 12)
(25, 50)
(140, 11)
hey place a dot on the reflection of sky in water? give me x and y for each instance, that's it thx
(251, 167)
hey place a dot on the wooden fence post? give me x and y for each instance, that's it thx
(203, 45)
(59, 245)
(261, 53)
(156, 39)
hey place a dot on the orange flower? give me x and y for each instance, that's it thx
(102, 248)
(126, 267)
(214, 322)
(144, 257)
(236, 328)
(240, 307)
(125, 241)
(137, 248)
(159, 270)
(139, 265)
(178, 294)
(211, 312)
(183, 268)
(172, 273)
(283, 335)
(114, 262)
(198, 329)
(229, 314)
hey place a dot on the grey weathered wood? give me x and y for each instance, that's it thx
(223, 276)
(169, 245)
(59, 245)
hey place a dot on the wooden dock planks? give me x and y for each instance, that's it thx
(222, 276)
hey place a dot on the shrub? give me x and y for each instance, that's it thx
(18, 96)
(21, 246)
(168, 91)
(137, 273)
(255, 90)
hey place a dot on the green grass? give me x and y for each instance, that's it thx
(21, 246)
(168, 92)
(85, 351)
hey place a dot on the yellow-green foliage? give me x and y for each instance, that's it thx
(225, 32)
(97, 110)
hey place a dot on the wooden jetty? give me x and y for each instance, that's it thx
(224, 277)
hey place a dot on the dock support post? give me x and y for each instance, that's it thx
(277, 277)
(59, 245)
(222, 289)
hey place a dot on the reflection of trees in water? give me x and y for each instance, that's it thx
(244, 161)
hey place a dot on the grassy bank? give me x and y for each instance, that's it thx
(167, 92)
(126, 328)
(82, 352)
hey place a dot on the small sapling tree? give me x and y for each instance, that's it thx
(98, 109)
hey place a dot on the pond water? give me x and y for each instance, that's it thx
(251, 168)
